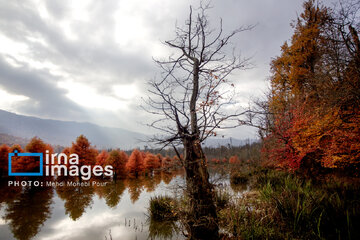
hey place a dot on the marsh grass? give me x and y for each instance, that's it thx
(163, 208)
(325, 210)
(285, 206)
(279, 205)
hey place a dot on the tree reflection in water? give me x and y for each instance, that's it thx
(8, 193)
(77, 199)
(151, 184)
(25, 209)
(112, 192)
(28, 211)
(135, 187)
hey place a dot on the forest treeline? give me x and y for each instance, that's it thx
(312, 118)
(125, 163)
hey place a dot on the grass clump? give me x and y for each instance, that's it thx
(309, 211)
(239, 178)
(250, 218)
(283, 205)
(162, 208)
(222, 198)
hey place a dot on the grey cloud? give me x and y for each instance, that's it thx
(78, 57)
(103, 63)
(45, 99)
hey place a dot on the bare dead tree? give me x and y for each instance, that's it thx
(190, 99)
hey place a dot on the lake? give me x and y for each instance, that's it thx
(112, 210)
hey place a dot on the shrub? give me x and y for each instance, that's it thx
(222, 199)
(162, 208)
(239, 178)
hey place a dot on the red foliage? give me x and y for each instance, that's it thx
(101, 158)
(4, 151)
(16, 147)
(160, 158)
(118, 160)
(177, 161)
(30, 164)
(135, 164)
(215, 161)
(87, 154)
(233, 159)
(151, 162)
(167, 162)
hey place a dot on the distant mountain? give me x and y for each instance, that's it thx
(11, 140)
(65, 132)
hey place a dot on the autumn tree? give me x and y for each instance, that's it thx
(4, 151)
(135, 164)
(67, 151)
(101, 158)
(312, 110)
(234, 160)
(118, 160)
(151, 162)
(190, 99)
(30, 164)
(166, 163)
(87, 153)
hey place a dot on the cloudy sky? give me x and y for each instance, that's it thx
(89, 60)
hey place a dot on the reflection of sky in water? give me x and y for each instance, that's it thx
(98, 218)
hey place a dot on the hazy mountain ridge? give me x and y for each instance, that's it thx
(11, 140)
(15, 127)
(65, 132)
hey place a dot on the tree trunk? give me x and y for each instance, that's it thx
(202, 219)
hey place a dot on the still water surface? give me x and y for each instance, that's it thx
(93, 212)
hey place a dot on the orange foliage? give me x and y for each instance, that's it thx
(118, 160)
(101, 158)
(160, 159)
(135, 164)
(30, 164)
(167, 162)
(87, 154)
(233, 159)
(314, 101)
(4, 151)
(151, 162)
(16, 147)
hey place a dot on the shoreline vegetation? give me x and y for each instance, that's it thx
(253, 200)
(265, 203)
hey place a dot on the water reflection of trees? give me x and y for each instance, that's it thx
(135, 187)
(28, 211)
(8, 193)
(77, 199)
(112, 192)
(151, 183)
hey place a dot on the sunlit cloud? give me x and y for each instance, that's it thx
(88, 97)
(93, 58)
(9, 101)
